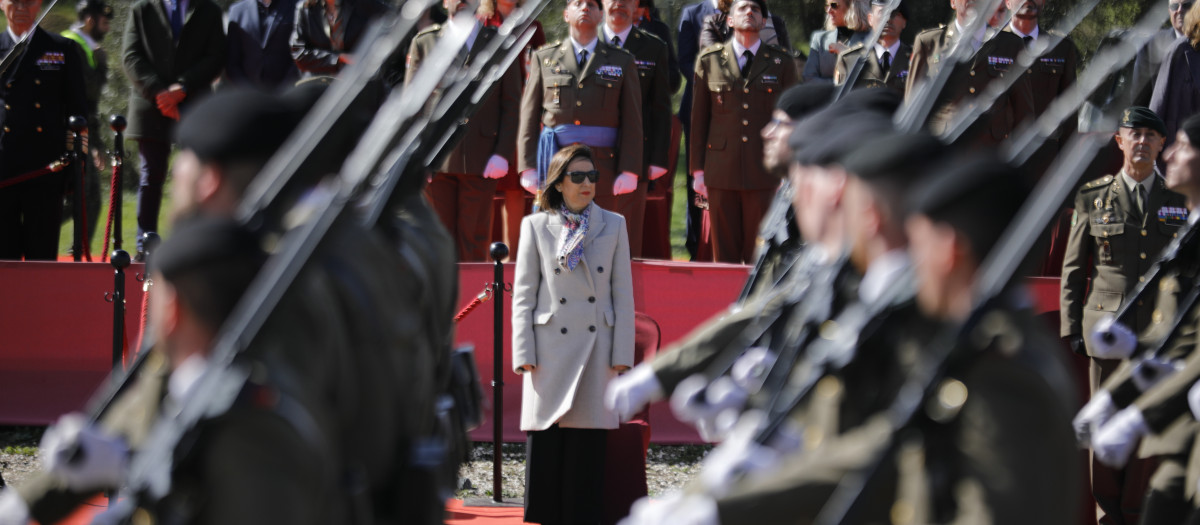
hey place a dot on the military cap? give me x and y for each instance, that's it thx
(894, 159)
(762, 6)
(94, 7)
(798, 101)
(1191, 128)
(882, 101)
(236, 125)
(210, 261)
(976, 193)
(901, 8)
(822, 140)
(1142, 117)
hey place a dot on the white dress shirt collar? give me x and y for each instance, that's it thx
(738, 50)
(624, 35)
(880, 273)
(1018, 32)
(590, 47)
(893, 49)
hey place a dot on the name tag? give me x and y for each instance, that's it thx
(609, 72)
(645, 64)
(51, 61)
(1000, 63)
(770, 79)
(1172, 215)
(1053, 62)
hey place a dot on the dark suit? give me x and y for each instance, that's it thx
(153, 61)
(872, 74)
(40, 92)
(260, 51)
(992, 61)
(458, 191)
(1176, 91)
(1146, 65)
(315, 52)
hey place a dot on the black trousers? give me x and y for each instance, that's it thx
(564, 476)
(30, 219)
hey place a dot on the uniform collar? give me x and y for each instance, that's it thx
(15, 37)
(977, 40)
(624, 36)
(590, 47)
(738, 49)
(1036, 31)
(1148, 183)
(894, 49)
(881, 272)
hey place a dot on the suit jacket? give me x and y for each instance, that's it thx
(991, 62)
(41, 92)
(573, 326)
(312, 49)
(691, 21)
(153, 61)
(728, 113)
(650, 54)
(1177, 89)
(558, 91)
(1147, 63)
(659, 29)
(492, 130)
(872, 72)
(257, 58)
(821, 63)
(1112, 246)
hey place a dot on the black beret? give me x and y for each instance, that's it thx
(762, 6)
(798, 101)
(823, 139)
(893, 158)
(1142, 117)
(877, 100)
(901, 8)
(1191, 128)
(236, 125)
(94, 7)
(211, 261)
(975, 192)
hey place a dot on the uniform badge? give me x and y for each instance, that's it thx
(778, 61)
(645, 64)
(1098, 202)
(770, 79)
(51, 61)
(1000, 63)
(1173, 215)
(609, 72)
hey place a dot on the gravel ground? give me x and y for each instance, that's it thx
(18, 452)
(667, 468)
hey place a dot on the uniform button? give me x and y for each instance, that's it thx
(1142, 255)
(745, 90)
(37, 81)
(591, 299)
(971, 90)
(562, 300)
(600, 269)
(576, 122)
(39, 130)
(581, 85)
(611, 155)
(465, 121)
(579, 103)
(610, 85)
(6, 129)
(557, 271)
(972, 73)
(745, 122)
(745, 139)
(642, 74)
(6, 106)
(1140, 302)
(1143, 233)
(592, 328)
(564, 330)
(1174, 235)
(745, 106)
(1099, 307)
(1141, 279)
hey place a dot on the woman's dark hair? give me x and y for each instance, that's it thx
(551, 199)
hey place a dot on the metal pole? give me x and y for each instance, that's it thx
(118, 124)
(119, 260)
(78, 125)
(498, 251)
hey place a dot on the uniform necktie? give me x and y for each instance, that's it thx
(177, 19)
(1141, 199)
(616, 41)
(886, 61)
(1028, 40)
(582, 59)
(749, 57)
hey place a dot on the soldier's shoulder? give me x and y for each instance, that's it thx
(620, 53)
(713, 49)
(1097, 184)
(856, 48)
(430, 30)
(932, 32)
(651, 38)
(548, 47)
(774, 50)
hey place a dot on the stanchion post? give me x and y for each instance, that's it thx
(118, 124)
(498, 251)
(78, 125)
(119, 260)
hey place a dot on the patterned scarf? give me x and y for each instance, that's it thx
(570, 246)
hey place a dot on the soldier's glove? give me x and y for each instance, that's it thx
(83, 455)
(13, 510)
(628, 393)
(1112, 340)
(1075, 343)
(656, 172)
(497, 168)
(750, 370)
(1151, 371)
(1096, 412)
(738, 456)
(1194, 400)
(698, 183)
(1115, 441)
(676, 509)
(712, 408)
(626, 183)
(529, 181)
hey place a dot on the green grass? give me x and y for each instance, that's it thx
(128, 216)
(20, 451)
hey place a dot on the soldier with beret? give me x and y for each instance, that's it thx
(736, 85)
(1120, 224)
(585, 90)
(886, 64)
(464, 185)
(94, 18)
(41, 91)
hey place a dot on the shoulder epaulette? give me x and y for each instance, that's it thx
(1098, 183)
(854, 47)
(431, 29)
(775, 48)
(937, 29)
(642, 33)
(712, 49)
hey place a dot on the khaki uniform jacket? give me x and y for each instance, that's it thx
(1110, 245)
(650, 54)
(994, 59)
(573, 326)
(492, 130)
(729, 112)
(558, 91)
(1052, 74)
(872, 73)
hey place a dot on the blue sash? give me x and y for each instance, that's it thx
(552, 138)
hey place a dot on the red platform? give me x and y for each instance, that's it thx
(57, 331)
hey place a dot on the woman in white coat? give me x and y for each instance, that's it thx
(573, 331)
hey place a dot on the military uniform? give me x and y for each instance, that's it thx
(728, 113)
(41, 90)
(95, 75)
(459, 192)
(873, 74)
(650, 54)
(605, 92)
(994, 59)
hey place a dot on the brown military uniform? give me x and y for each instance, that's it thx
(1049, 77)
(459, 192)
(873, 74)
(604, 92)
(651, 55)
(728, 112)
(994, 59)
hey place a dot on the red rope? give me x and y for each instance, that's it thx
(87, 248)
(53, 167)
(145, 312)
(478, 300)
(112, 202)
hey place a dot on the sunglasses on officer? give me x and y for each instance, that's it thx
(578, 176)
(1177, 6)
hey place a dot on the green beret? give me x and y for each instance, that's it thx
(1142, 117)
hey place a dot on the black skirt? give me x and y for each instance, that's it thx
(564, 475)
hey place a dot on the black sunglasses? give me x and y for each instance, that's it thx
(1175, 6)
(578, 176)
(831, 5)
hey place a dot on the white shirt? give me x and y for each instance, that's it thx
(590, 48)
(184, 377)
(15, 37)
(1018, 32)
(624, 35)
(893, 49)
(738, 50)
(977, 41)
(880, 273)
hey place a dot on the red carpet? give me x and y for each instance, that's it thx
(456, 514)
